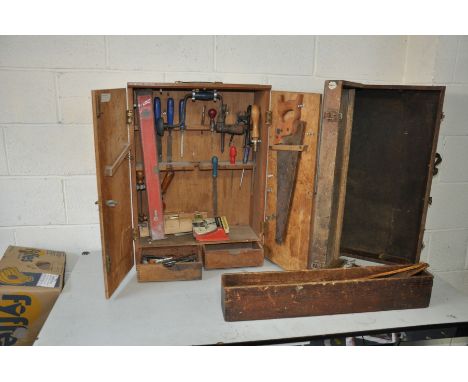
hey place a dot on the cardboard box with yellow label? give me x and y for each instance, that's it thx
(31, 279)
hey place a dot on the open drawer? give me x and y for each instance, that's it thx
(232, 255)
(151, 271)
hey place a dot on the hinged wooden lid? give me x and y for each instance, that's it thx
(112, 147)
(377, 153)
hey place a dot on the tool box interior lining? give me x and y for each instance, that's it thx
(390, 151)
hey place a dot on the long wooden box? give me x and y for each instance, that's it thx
(267, 295)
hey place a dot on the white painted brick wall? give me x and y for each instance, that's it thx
(161, 53)
(3, 157)
(447, 224)
(50, 149)
(47, 170)
(31, 201)
(361, 57)
(28, 96)
(80, 196)
(265, 54)
(52, 52)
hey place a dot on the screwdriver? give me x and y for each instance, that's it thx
(232, 160)
(170, 123)
(214, 161)
(246, 154)
(181, 126)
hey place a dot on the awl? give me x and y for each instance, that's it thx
(214, 161)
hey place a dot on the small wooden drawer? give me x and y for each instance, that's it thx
(177, 272)
(233, 255)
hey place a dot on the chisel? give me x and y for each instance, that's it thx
(246, 154)
(170, 123)
(181, 126)
(254, 138)
(214, 161)
(159, 122)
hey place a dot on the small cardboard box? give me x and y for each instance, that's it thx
(31, 279)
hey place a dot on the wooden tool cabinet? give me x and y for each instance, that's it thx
(361, 188)
(119, 156)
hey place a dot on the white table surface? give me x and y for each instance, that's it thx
(189, 312)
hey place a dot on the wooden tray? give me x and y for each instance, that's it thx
(266, 295)
(179, 271)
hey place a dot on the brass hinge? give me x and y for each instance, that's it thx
(270, 217)
(333, 116)
(268, 117)
(136, 234)
(108, 264)
(129, 117)
(442, 116)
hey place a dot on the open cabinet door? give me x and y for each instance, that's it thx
(112, 147)
(290, 177)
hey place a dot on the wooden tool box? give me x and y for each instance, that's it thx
(119, 163)
(375, 163)
(375, 166)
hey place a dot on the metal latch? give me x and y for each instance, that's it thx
(111, 203)
(270, 217)
(333, 116)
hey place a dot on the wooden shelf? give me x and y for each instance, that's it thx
(237, 234)
(226, 165)
(177, 166)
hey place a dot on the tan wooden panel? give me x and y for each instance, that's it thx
(292, 254)
(332, 167)
(110, 138)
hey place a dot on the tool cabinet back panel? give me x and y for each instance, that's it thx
(119, 164)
